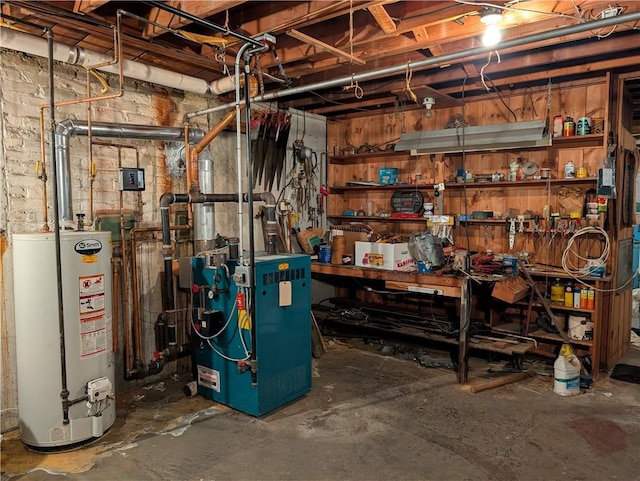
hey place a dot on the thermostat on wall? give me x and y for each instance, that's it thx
(131, 179)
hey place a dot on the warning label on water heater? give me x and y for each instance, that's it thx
(93, 326)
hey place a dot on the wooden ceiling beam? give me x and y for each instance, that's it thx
(323, 46)
(129, 40)
(202, 9)
(87, 6)
(531, 59)
(383, 18)
(360, 104)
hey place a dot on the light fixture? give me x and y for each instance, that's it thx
(491, 16)
(428, 102)
(492, 36)
(534, 133)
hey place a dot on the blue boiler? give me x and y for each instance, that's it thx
(221, 304)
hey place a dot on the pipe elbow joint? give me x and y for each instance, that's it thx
(268, 198)
(167, 199)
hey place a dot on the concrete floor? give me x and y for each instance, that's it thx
(369, 417)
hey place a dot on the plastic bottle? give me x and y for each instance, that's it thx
(569, 170)
(576, 297)
(583, 298)
(566, 373)
(591, 299)
(557, 292)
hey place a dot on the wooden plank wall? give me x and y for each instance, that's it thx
(577, 99)
(618, 304)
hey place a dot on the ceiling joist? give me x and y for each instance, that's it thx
(199, 9)
(323, 46)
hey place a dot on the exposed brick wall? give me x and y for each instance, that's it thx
(24, 82)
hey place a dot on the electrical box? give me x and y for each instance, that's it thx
(241, 276)
(98, 389)
(131, 179)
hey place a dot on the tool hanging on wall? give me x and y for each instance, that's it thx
(269, 136)
(512, 233)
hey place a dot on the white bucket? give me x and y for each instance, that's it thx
(566, 373)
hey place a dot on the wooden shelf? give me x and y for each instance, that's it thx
(560, 307)
(537, 334)
(521, 183)
(538, 272)
(578, 141)
(367, 157)
(362, 218)
(468, 185)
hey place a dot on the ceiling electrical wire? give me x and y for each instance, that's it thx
(512, 9)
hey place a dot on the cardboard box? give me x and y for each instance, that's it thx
(388, 176)
(510, 290)
(380, 255)
(352, 234)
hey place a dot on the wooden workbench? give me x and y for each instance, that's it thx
(447, 286)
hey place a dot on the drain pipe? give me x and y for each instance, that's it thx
(69, 128)
(441, 59)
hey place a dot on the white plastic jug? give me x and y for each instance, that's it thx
(566, 373)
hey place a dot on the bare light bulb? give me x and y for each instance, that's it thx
(428, 102)
(492, 36)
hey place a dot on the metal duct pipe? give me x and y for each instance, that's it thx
(442, 59)
(23, 42)
(68, 128)
(204, 227)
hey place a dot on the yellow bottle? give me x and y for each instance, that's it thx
(557, 292)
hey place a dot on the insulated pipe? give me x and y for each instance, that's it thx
(68, 128)
(441, 59)
(23, 42)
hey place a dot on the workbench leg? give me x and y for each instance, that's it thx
(465, 322)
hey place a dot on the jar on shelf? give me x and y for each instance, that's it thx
(557, 291)
(569, 127)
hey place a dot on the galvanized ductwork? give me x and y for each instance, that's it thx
(70, 128)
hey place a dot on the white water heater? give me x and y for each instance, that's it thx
(88, 337)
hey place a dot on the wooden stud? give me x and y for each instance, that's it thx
(323, 46)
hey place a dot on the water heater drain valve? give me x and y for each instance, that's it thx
(98, 389)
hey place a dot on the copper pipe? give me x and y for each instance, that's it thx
(187, 152)
(134, 266)
(115, 302)
(125, 284)
(117, 39)
(194, 184)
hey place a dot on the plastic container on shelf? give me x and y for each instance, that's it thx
(569, 170)
(566, 373)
